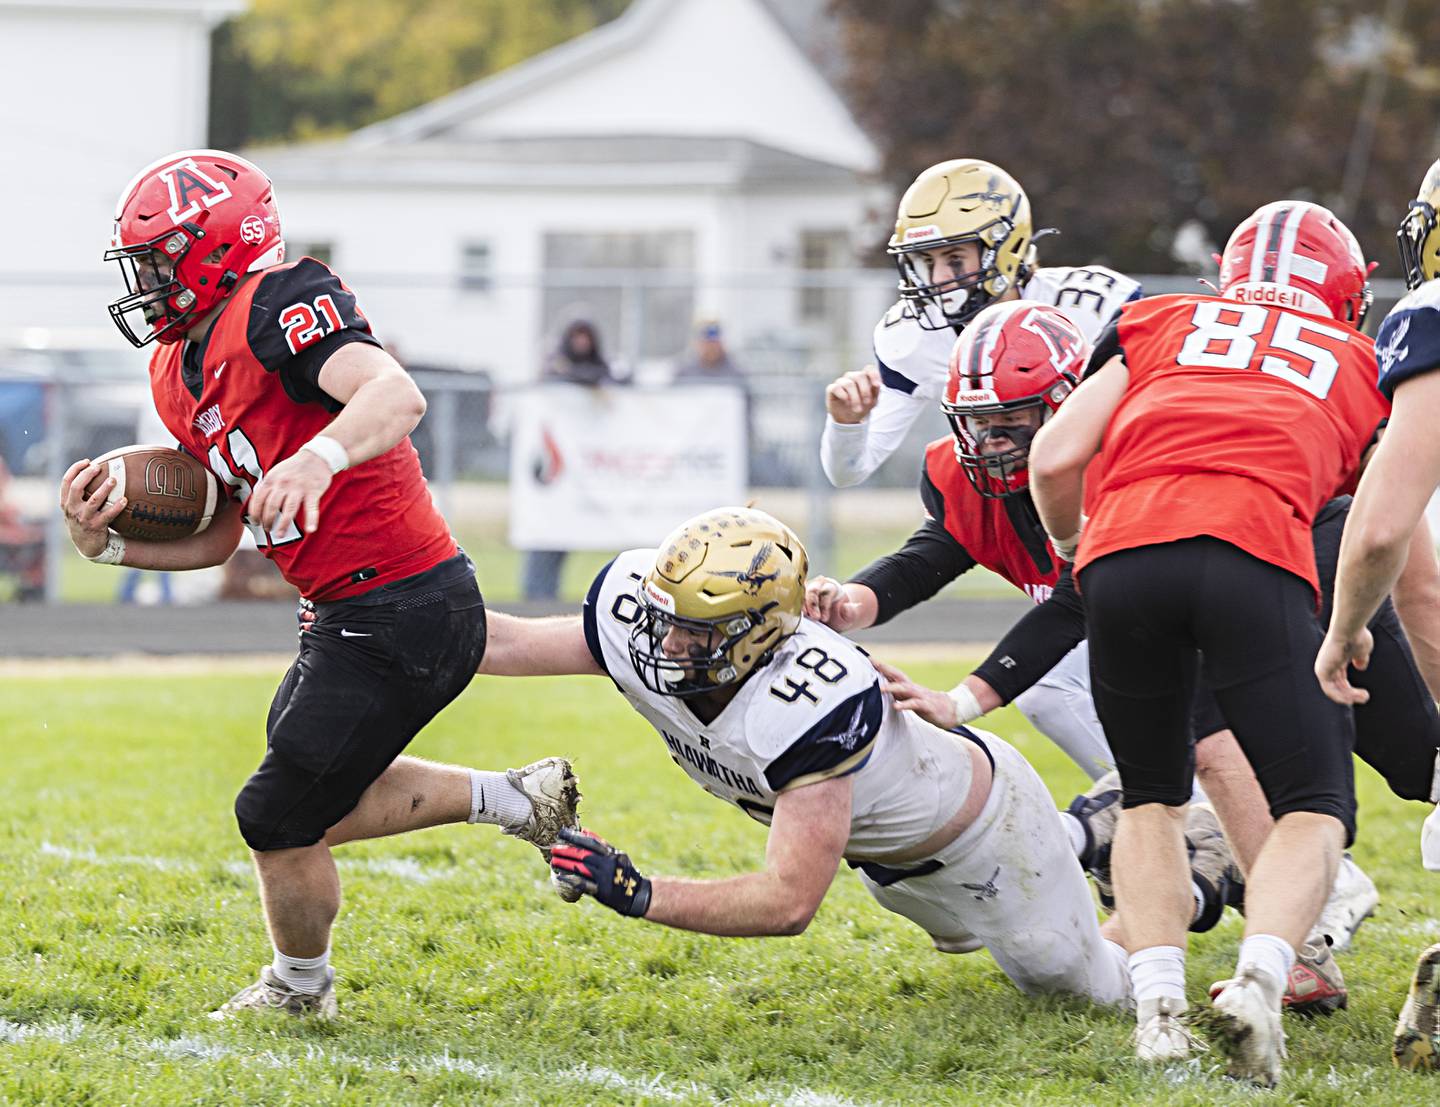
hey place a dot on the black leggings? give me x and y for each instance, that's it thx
(1152, 612)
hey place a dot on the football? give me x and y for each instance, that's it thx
(170, 494)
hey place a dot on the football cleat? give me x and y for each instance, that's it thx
(1316, 986)
(1417, 1032)
(1160, 1035)
(1244, 1023)
(1098, 810)
(270, 994)
(1352, 901)
(554, 793)
(1212, 865)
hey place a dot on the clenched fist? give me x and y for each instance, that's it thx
(848, 399)
(828, 601)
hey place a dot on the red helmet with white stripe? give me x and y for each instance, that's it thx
(1009, 370)
(1295, 254)
(187, 227)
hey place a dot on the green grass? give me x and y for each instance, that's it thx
(128, 911)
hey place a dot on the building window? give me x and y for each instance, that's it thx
(320, 250)
(638, 288)
(476, 267)
(821, 251)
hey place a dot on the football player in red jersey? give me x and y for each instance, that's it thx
(1226, 424)
(269, 373)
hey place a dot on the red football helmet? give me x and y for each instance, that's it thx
(186, 229)
(1010, 368)
(1295, 254)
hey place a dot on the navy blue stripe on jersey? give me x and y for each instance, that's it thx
(1408, 345)
(891, 379)
(589, 614)
(835, 739)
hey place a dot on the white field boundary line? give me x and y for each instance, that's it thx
(399, 868)
(198, 1048)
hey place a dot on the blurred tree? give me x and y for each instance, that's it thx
(1130, 120)
(297, 69)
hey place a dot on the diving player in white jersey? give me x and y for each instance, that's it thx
(1389, 506)
(786, 719)
(963, 240)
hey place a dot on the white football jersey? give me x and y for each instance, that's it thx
(814, 712)
(914, 360)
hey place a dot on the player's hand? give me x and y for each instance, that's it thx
(1334, 660)
(826, 601)
(848, 399)
(587, 863)
(936, 708)
(88, 520)
(297, 482)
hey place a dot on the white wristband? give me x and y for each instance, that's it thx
(112, 553)
(329, 451)
(967, 707)
(1066, 547)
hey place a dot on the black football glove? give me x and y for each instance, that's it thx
(591, 865)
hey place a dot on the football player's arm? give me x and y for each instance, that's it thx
(930, 559)
(536, 647)
(1388, 506)
(857, 438)
(88, 523)
(382, 404)
(1065, 445)
(807, 839)
(1417, 602)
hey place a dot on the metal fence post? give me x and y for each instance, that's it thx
(819, 493)
(57, 419)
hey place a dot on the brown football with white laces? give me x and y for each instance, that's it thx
(169, 494)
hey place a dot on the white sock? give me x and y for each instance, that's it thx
(1076, 830)
(1158, 972)
(1271, 955)
(303, 974)
(493, 799)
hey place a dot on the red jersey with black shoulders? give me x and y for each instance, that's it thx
(1239, 422)
(247, 397)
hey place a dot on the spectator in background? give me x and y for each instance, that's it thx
(708, 359)
(576, 360)
(22, 545)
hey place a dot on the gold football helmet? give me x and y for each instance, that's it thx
(1419, 233)
(967, 200)
(726, 588)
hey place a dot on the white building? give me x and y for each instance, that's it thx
(692, 139)
(90, 91)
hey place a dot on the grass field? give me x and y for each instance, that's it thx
(129, 911)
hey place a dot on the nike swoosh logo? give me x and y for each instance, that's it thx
(221, 368)
(353, 634)
(481, 809)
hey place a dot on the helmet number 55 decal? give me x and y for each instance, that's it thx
(1229, 336)
(305, 323)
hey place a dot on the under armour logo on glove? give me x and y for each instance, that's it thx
(592, 866)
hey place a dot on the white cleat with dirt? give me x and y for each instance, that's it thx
(269, 995)
(1243, 1022)
(1160, 1035)
(554, 794)
(1352, 900)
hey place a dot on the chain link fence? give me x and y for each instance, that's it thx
(61, 403)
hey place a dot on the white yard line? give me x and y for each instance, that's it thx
(195, 1047)
(399, 868)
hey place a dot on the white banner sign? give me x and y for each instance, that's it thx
(614, 468)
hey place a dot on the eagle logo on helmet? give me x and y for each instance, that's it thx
(752, 578)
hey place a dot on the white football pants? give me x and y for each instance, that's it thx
(1059, 706)
(1011, 880)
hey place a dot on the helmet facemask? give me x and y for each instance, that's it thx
(152, 288)
(705, 667)
(1414, 233)
(996, 475)
(937, 305)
